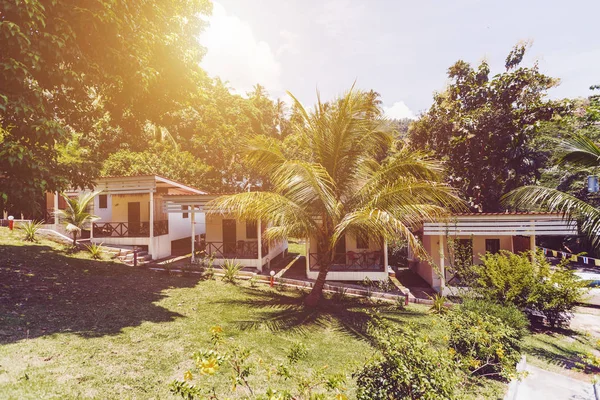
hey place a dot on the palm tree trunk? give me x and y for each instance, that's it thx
(74, 238)
(314, 297)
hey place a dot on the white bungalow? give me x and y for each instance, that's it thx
(479, 233)
(226, 237)
(355, 259)
(131, 214)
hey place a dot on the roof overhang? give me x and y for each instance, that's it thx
(526, 224)
(140, 184)
(187, 203)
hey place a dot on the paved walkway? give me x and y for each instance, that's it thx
(545, 385)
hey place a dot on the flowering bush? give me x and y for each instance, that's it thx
(408, 367)
(483, 343)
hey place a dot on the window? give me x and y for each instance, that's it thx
(102, 201)
(251, 230)
(362, 241)
(492, 246)
(184, 208)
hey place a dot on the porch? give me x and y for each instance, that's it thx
(242, 249)
(129, 229)
(350, 261)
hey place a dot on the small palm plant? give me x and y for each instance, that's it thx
(30, 229)
(231, 269)
(95, 250)
(439, 304)
(76, 216)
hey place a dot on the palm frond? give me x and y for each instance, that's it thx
(264, 154)
(580, 151)
(379, 224)
(305, 184)
(570, 207)
(264, 206)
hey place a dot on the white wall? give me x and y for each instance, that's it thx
(180, 227)
(105, 214)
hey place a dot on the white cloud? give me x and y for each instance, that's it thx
(235, 55)
(399, 110)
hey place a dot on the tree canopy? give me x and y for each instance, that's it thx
(78, 72)
(483, 126)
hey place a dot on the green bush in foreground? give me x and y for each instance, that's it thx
(409, 367)
(484, 344)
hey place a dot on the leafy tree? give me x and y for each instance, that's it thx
(482, 127)
(159, 159)
(67, 66)
(337, 184)
(76, 215)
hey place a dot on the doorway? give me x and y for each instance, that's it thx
(229, 237)
(133, 218)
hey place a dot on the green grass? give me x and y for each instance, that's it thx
(72, 327)
(563, 351)
(296, 248)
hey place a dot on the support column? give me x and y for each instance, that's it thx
(151, 241)
(307, 256)
(259, 236)
(193, 219)
(55, 209)
(385, 256)
(442, 266)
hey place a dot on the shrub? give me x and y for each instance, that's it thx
(484, 343)
(506, 278)
(408, 367)
(509, 314)
(253, 281)
(95, 250)
(231, 269)
(556, 294)
(30, 229)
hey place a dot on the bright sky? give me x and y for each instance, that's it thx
(400, 49)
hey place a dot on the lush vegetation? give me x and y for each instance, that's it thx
(74, 327)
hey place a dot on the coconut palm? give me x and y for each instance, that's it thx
(581, 152)
(333, 183)
(76, 216)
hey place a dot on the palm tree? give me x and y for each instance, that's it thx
(333, 183)
(580, 152)
(76, 216)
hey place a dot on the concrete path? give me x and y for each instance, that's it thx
(545, 385)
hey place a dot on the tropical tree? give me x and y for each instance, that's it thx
(76, 215)
(483, 127)
(337, 184)
(578, 151)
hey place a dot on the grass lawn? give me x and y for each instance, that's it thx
(71, 327)
(296, 248)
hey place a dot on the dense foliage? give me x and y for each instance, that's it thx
(409, 367)
(484, 343)
(536, 286)
(483, 127)
(84, 72)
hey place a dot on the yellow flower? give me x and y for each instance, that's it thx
(187, 376)
(209, 367)
(216, 329)
(500, 352)
(341, 396)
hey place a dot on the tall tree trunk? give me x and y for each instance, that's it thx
(314, 297)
